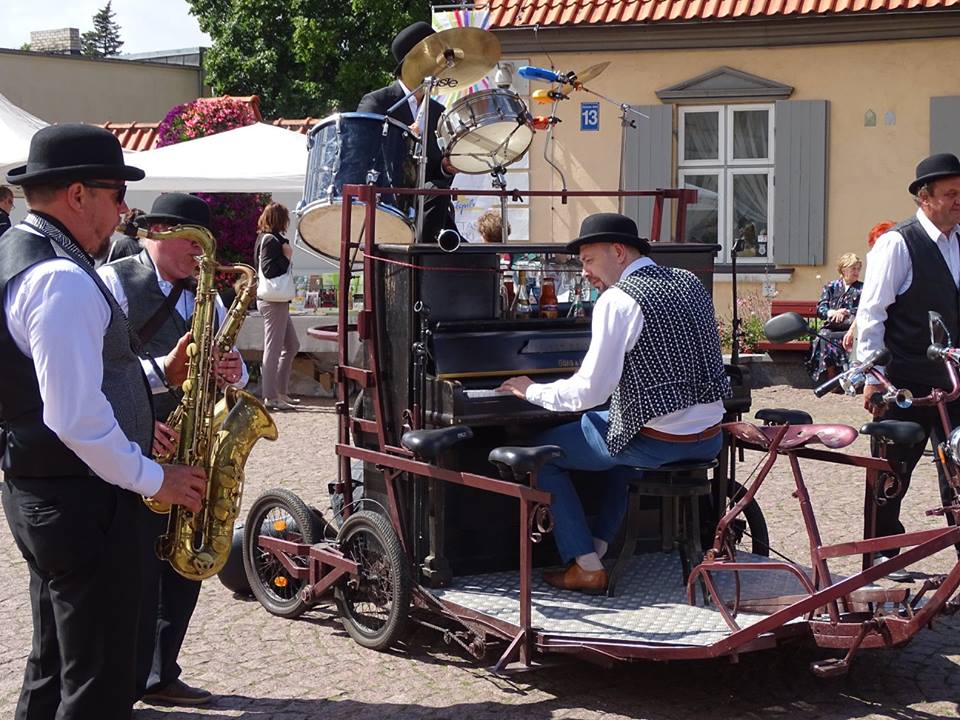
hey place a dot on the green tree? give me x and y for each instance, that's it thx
(302, 57)
(104, 40)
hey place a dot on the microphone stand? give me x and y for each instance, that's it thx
(735, 320)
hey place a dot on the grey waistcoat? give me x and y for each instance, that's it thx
(138, 277)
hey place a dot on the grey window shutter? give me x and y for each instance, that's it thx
(800, 182)
(944, 125)
(647, 164)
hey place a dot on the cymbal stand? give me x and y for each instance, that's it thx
(427, 86)
(500, 182)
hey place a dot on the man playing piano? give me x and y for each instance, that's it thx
(655, 355)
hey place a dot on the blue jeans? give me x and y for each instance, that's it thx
(586, 449)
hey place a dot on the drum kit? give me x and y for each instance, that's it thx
(483, 132)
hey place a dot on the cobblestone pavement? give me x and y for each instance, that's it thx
(262, 667)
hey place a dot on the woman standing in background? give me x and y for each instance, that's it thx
(280, 344)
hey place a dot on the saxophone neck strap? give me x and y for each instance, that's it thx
(156, 321)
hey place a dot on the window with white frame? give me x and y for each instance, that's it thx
(726, 154)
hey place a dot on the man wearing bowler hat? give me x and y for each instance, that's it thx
(655, 355)
(912, 269)
(156, 290)
(438, 210)
(77, 425)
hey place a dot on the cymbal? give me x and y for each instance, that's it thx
(585, 76)
(458, 57)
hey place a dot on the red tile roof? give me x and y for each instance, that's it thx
(521, 13)
(138, 136)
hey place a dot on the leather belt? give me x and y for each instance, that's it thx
(710, 432)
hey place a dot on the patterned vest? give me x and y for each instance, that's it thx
(907, 328)
(676, 362)
(31, 449)
(138, 277)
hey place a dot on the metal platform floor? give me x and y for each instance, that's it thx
(650, 605)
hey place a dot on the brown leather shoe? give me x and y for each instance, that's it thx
(177, 693)
(592, 582)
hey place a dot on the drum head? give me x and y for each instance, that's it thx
(319, 226)
(483, 148)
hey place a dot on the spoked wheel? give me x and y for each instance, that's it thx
(373, 606)
(281, 514)
(747, 533)
(750, 529)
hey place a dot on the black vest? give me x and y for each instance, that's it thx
(31, 449)
(907, 329)
(676, 362)
(138, 277)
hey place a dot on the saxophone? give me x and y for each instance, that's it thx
(216, 435)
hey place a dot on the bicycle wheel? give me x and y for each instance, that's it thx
(748, 531)
(281, 514)
(373, 606)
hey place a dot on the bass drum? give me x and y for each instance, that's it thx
(356, 149)
(484, 130)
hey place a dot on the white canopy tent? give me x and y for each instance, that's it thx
(17, 126)
(254, 158)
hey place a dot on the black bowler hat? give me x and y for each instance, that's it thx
(609, 228)
(407, 39)
(71, 152)
(178, 209)
(934, 167)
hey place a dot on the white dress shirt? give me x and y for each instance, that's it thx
(57, 316)
(412, 102)
(615, 326)
(889, 274)
(185, 304)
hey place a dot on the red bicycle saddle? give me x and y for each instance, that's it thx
(833, 436)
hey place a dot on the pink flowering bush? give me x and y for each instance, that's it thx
(753, 310)
(234, 214)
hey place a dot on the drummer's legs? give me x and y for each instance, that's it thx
(437, 215)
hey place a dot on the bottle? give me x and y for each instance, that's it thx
(576, 307)
(521, 306)
(533, 293)
(549, 305)
(507, 297)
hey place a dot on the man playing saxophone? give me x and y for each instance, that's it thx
(75, 429)
(156, 290)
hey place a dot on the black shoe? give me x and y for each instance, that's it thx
(177, 693)
(904, 575)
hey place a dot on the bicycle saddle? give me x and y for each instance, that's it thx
(833, 436)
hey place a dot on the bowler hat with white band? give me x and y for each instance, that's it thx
(935, 167)
(609, 228)
(73, 152)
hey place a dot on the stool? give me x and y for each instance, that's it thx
(679, 485)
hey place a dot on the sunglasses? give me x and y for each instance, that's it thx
(121, 190)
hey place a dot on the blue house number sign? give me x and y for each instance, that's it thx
(589, 116)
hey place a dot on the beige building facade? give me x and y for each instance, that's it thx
(71, 88)
(809, 132)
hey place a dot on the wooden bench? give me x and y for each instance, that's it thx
(805, 308)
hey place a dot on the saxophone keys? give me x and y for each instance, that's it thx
(222, 509)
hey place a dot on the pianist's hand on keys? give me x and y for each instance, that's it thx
(516, 385)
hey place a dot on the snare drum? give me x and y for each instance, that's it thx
(356, 148)
(486, 129)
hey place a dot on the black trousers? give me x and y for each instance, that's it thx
(77, 536)
(888, 515)
(166, 608)
(438, 215)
